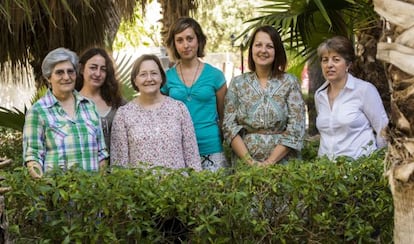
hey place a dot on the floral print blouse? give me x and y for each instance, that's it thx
(266, 117)
(162, 136)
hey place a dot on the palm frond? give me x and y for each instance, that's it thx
(30, 29)
(12, 118)
(124, 66)
(303, 24)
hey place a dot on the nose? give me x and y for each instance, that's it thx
(66, 76)
(330, 63)
(148, 76)
(98, 72)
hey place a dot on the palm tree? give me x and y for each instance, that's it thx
(173, 9)
(397, 50)
(30, 29)
(304, 24)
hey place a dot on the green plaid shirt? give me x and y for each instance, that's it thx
(53, 139)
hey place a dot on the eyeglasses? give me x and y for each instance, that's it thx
(152, 75)
(61, 72)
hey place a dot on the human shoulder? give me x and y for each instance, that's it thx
(211, 68)
(126, 107)
(245, 77)
(290, 77)
(171, 70)
(173, 102)
(361, 85)
(46, 101)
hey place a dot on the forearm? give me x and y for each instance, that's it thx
(240, 149)
(103, 164)
(277, 154)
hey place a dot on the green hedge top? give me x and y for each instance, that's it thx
(317, 201)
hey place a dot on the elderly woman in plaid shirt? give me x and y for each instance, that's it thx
(62, 129)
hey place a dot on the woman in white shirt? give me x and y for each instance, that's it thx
(350, 113)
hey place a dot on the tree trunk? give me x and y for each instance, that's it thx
(172, 10)
(366, 66)
(397, 50)
(316, 79)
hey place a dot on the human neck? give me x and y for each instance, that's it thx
(150, 101)
(63, 97)
(339, 84)
(189, 63)
(189, 72)
(263, 74)
(90, 92)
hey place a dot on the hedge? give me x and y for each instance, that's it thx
(315, 201)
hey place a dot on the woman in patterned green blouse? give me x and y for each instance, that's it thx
(264, 113)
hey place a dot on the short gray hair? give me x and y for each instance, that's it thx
(56, 56)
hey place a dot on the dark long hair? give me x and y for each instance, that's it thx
(110, 89)
(280, 62)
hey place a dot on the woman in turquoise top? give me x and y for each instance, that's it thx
(200, 86)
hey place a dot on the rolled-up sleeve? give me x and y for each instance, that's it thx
(33, 138)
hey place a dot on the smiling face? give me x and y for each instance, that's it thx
(149, 79)
(334, 66)
(263, 50)
(94, 71)
(63, 78)
(186, 43)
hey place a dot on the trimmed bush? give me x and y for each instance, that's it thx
(315, 201)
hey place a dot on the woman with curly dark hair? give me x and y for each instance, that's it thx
(97, 81)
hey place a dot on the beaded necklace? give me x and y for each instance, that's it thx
(189, 89)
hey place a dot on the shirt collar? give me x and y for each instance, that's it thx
(350, 84)
(50, 99)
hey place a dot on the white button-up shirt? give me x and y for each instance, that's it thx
(353, 126)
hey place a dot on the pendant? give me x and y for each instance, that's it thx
(189, 98)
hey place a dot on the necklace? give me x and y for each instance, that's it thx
(189, 89)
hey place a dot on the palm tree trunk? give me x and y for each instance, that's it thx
(316, 79)
(172, 10)
(397, 51)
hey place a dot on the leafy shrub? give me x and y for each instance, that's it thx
(316, 201)
(11, 145)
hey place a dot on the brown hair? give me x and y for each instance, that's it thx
(179, 26)
(340, 44)
(110, 89)
(137, 67)
(280, 62)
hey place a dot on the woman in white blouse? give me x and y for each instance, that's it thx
(350, 113)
